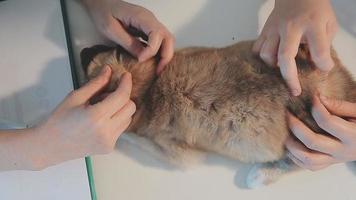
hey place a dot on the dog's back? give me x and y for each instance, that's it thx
(228, 101)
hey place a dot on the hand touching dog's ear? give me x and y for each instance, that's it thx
(114, 18)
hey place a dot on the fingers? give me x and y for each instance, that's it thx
(331, 28)
(153, 44)
(269, 50)
(319, 45)
(121, 128)
(117, 33)
(311, 140)
(159, 40)
(125, 112)
(287, 51)
(83, 94)
(339, 107)
(281, 49)
(306, 158)
(332, 124)
(117, 99)
(304, 166)
(122, 119)
(167, 51)
(99, 98)
(257, 46)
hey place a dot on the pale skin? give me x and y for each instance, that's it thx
(294, 22)
(65, 136)
(312, 22)
(75, 128)
(113, 18)
(316, 151)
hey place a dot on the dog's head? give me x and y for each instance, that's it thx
(95, 58)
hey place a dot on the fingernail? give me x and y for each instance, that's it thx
(126, 74)
(159, 70)
(105, 69)
(296, 92)
(142, 57)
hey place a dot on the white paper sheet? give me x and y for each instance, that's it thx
(34, 77)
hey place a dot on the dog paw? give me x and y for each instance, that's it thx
(259, 176)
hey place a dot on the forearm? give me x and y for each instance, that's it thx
(17, 150)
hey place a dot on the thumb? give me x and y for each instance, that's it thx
(118, 34)
(84, 93)
(339, 107)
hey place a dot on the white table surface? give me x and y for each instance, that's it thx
(34, 77)
(131, 174)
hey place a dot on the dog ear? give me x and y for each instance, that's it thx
(88, 54)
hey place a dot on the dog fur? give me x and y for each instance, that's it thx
(223, 100)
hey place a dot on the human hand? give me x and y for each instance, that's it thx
(114, 18)
(316, 151)
(291, 23)
(76, 129)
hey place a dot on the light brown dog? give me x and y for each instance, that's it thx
(224, 100)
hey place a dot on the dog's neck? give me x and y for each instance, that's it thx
(143, 76)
